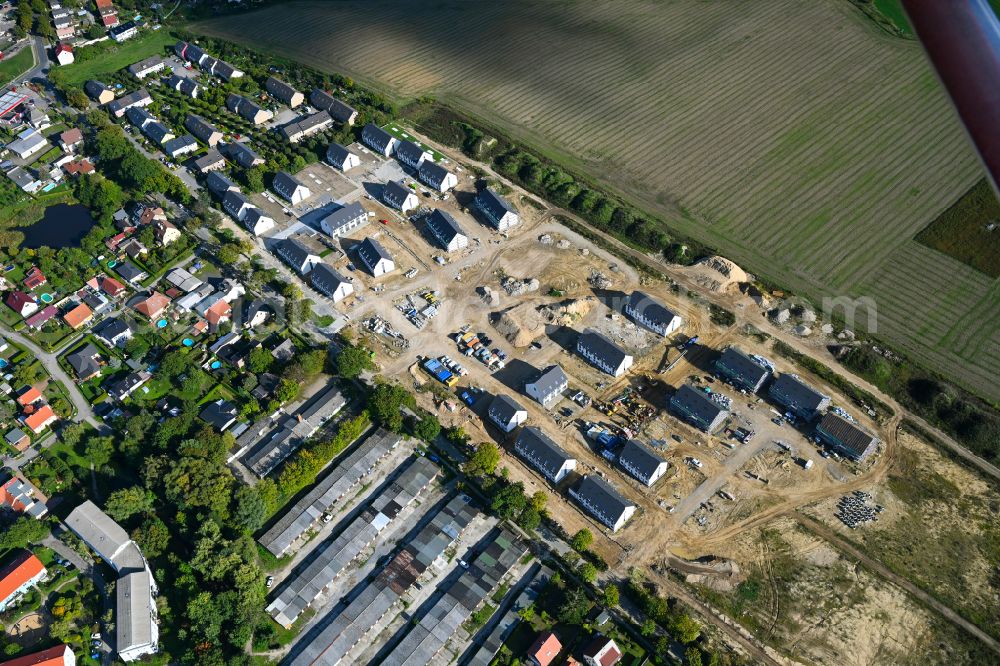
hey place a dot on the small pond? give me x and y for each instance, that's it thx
(63, 225)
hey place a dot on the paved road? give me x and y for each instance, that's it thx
(41, 53)
(711, 485)
(882, 571)
(51, 364)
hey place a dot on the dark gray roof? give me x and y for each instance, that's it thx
(139, 116)
(129, 271)
(157, 131)
(696, 404)
(294, 251)
(408, 151)
(200, 127)
(209, 159)
(110, 329)
(550, 379)
(343, 215)
(336, 154)
(371, 251)
(375, 135)
(149, 63)
(432, 173)
(602, 347)
(325, 278)
(224, 69)
(285, 184)
(219, 184)
(179, 143)
(306, 125)
(340, 111)
(395, 193)
(219, 413)
(127, 384)
(599, 493)
(95, 88)
(640, 457)
(545, 453)
(83, 360)
(494, 203)
(280, 89)
(504, 408)
(739, 368)
(851, 438)
(242, 106)
(136, 98)
(650, 308)
(183, 84)
(241, 154)
(444, 227)
(792, 391)
(234, 201)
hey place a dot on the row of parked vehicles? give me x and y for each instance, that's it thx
(477, 345)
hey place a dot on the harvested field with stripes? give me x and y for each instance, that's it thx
(796, 138)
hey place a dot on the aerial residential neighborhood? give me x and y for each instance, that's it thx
(315, 349)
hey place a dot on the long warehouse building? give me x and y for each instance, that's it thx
(459, 602)
(341, 478)
(331, 558)
(329, 645)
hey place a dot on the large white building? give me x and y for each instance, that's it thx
(344, 220)
(603, 354)
(544, 455)
(642, 309)
(290, 188)
(375, 257)
(496, 209)
(446, 230)
(329, 282)
(548, 386)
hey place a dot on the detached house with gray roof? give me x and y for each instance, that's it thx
(144, 68)
(247, 109)
(210, 161)
(237, 204)
(506, 414)
(747, 373)
(257, 222)
(202, 129)
(290, 188)
(603, 354)
(180, 146)
(344, 114)
(697, 408)
(797, 397)
(650, 313)
(342, 158)
(140, 97)
(329, 282)
(375, 257)
(344, 220)
(219, 185)
(642, 462)
(400, 197)
(496, 209)
(446, 231)
(547, 388)
(378, 139)
(601, 500)
(98, 92)
(437, 177)
(283, 92)
(536, 448)
(297, 255)
(242, 154)
(411, 154)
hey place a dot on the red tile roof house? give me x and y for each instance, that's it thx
(218, 313)
(78, 316)
(153, 306)
(116, 240)
(18, 496)
(18, 576)
(110, 286)
(40, 419)
(78, 167)
(39, 319)
(545, 648)
(21, 303)
(70, 139)
(29, 396)
(59, 655)
(34, 278)
(151, 215)
(109, 15)
(602, 651)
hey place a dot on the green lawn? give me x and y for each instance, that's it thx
(893, 10)
(17, 65)
(403, 133)
(147, 44)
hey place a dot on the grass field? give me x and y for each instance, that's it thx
(964, 232)
(797, 138)
(147, 44)
(21, 62)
